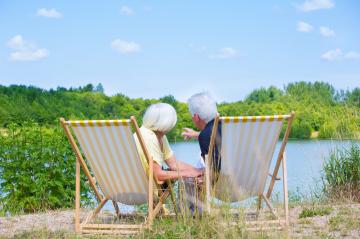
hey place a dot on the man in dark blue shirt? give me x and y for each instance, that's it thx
(203, 111)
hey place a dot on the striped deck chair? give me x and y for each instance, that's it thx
(111, 153)
(247, 148)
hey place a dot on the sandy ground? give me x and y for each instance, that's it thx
(342, 222)
(52, 220)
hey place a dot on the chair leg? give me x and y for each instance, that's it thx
(258, 206)
(77, 197)
(160, 203)
(117, 210)
(268, 203)
(207, 184)
(286, 198)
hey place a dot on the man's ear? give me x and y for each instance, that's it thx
(196, 117)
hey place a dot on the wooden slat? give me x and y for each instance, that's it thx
(263, 228)
(112, 226)
(207, 184)
(270, 206)
(212, 140)
(286, 198)
(280, 155)
(112, 232)
(265, 222)
(77, 197)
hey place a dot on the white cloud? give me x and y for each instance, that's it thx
(312, 5)
(332, 55)
(304, 27)
(326, 32)
(126, 10)
(17, 42)
(351, 55)
(25, 51)
(337, 54)
(225, 53)
(125, 47)
(29, 55)
(50, 13)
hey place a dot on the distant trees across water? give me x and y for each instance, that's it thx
(319, 107)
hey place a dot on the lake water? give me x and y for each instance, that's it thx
(304, 162)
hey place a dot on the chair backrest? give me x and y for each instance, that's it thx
(110, 149)
(247, 147)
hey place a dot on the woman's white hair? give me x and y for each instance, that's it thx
(203, 105)
(160, 117)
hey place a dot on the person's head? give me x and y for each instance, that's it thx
(202, 108)
(160, 117)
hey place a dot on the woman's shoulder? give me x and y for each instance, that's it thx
(147, 134)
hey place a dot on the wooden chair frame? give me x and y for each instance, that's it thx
(153, 210)
(281, 159)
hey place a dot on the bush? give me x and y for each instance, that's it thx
(341, 174)
(301, 130)
(37, 169)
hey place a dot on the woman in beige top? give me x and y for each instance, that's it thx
(158, 120)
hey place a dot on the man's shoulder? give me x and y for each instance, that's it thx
(205, 133)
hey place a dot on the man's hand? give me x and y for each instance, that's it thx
(189, 133)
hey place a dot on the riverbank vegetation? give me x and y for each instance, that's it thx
(318, 106)
(341, 174)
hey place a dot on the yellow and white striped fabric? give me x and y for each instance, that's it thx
(247, 147)
(110, 149)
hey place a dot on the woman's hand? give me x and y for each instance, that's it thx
(193, 173)
(189, 133)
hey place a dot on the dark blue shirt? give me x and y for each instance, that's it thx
(204, 142)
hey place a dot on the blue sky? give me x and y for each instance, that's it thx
(154, 48)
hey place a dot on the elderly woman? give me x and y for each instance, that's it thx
(158, 120)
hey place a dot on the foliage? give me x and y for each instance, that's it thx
(37, 169)
(318, 107)
(341, 173)
(263, 95)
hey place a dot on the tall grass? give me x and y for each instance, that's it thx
(341, 174)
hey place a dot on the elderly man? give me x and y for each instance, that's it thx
(203, 111)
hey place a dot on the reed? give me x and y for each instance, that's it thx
(341, 174)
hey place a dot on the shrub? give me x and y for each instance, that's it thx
(301, 130)
(341, 173)
(37, 169)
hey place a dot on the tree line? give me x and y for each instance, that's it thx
(319, 107)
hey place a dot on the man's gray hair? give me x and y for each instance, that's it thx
(203, 105)
(160, 117)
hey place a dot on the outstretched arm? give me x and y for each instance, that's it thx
(190, 133)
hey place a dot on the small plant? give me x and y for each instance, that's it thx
(341, 174)
(315, 211)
